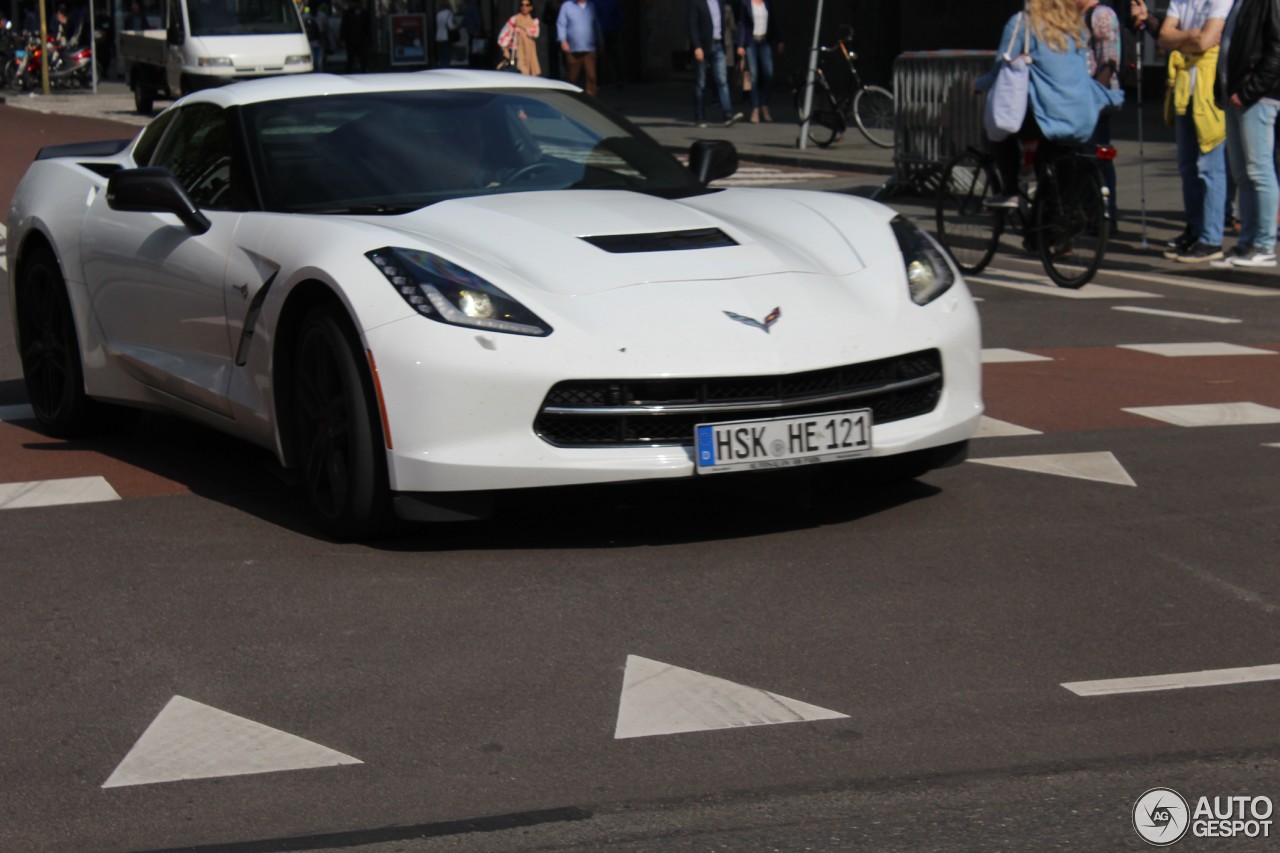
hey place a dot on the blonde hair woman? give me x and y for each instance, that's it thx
(1064, 101)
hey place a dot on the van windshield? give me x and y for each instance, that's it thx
(242, 17)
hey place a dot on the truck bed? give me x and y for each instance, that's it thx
(148, 47)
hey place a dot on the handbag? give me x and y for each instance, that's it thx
(1006, 106)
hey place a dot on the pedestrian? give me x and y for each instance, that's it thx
(706, 34)
(759, 35)
(1064, 102)
(1103, 27)
(311, 27)
(1191, 33)
(448, 26)
(474, 38)
(519, 40)
(1248, 87)
(611, 20)
(322, 35)
(104, 40)
(581, 40)
(355, 36)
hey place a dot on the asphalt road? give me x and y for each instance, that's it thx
(759, 666)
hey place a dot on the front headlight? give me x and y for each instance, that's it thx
(298, 59)
(928, 273)
(447, 293)
(218, 61)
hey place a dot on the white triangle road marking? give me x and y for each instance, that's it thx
(69, 490)
(661, 699)
(1001, 355)
(1099, 466)
(190, 740)
(992, 428)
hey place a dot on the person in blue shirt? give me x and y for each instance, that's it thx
(578, 29)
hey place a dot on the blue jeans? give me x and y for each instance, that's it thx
(760, 64)
(1204, 183)
(716, 61)
(1251, 149)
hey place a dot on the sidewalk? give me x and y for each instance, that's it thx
(665, 111)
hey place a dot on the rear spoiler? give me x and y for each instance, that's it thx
(108, 148)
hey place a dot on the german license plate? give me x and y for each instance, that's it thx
(781, 442)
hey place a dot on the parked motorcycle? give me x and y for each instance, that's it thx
(68, 66)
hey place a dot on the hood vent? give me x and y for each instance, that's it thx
(663, 241)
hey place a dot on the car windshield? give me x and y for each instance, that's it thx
(242, 17)
(392, 152)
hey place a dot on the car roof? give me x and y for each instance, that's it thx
(313, 85)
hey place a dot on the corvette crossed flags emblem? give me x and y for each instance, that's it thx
(769, 320)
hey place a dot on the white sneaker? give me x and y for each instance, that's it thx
(1256, 258)
(1007, 202)
(1229, 257)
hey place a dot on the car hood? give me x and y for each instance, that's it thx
(539, 237)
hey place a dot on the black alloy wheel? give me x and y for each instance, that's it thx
(50, 352)
(338, 435)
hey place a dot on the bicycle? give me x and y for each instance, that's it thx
(1064, 218)
(870, 107)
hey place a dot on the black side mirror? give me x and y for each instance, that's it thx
(153, 189)
(176, 36)
(712, 159)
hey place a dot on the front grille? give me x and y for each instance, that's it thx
(652, 412)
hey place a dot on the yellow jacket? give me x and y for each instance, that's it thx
(1210, 122)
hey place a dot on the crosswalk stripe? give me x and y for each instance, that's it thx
(1176, 314)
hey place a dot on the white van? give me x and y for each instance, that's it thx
(202, 43)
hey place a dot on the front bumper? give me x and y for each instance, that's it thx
(461, 404)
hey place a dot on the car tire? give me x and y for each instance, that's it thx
(49, 350)
(337, 432)
(143, 98)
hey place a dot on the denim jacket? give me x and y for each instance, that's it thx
(1065, 98)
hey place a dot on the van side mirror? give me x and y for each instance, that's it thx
(153, 189)
(176, 35)
(712, 159)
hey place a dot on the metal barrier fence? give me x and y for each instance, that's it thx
(937, 113)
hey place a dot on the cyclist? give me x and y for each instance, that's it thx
(1064, 100)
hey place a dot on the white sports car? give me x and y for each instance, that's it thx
(418, 289)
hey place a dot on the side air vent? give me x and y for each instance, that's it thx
(663, 241)
(106, 170)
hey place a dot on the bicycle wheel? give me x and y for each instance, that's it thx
(967, 227)
(826, 121)
(1071, 221)
(873, 113)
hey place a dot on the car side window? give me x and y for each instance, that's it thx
(197, 149)
(151, 137)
